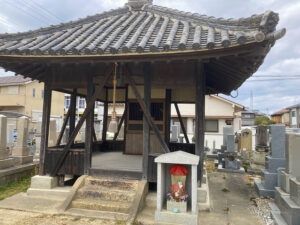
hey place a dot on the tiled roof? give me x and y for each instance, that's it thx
(294, 106)
(140, 27)
(280, 112)
(14, 80)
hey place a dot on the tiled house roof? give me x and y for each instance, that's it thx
(9, 80)
(140, 27)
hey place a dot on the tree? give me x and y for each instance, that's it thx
(263, 120)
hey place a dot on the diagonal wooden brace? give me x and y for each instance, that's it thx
(85, 114)
(181, 123)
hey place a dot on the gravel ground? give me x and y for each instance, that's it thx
(12, 217)
(261, 208)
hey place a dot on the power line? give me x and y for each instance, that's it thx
(26, 12)
(48, 11)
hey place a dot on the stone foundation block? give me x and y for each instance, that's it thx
(176, 218)
(285, 181)
(21, 160)
(295, 191)
(258, 158)
(20, 151)
(272, 164)
(43, 182)
(269, 179)
(4, 153)
(6, 163)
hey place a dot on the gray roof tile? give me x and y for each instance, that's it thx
(141, 27)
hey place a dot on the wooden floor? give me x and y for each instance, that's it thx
(117, 161)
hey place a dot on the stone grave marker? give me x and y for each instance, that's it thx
(5, 160)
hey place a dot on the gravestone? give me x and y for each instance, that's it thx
(21, 151)
(175, 133)
(287, 195)
(246, 144)
(230, 162)
(5, 160)
(261, 139)
(258, 157)
(275, 160)
(227, 130)
(52, 133)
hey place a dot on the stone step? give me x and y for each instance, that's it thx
(111, 184)
(278, 220)
(105, 194)
(151, 201)
(122, 207)
(117, 174)
(97, 214)
(146, 217)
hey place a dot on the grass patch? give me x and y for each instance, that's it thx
(14, 188)
(250, 184)
(225, 190)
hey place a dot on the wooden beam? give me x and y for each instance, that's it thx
(85, 114)
(148, 73)
(168, 115)
(105, 115)
(73, 111)
(45, 126)
(120, 125)
(61, 134)
(94, 133)
(181, 123)
(89, 126)
(200, 115)
(146, 112)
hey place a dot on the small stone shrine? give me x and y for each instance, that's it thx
(230, 162)
(275, 160)
(172, 167)
(5, 160)
(287, 194)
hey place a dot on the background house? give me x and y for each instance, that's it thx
(282, 117)
(248, 117)
(294, 116)
(219, 112)
(25, 96)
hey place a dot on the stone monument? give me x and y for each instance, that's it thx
(52, 133)
(175, 133)
(246, 144)
(227, 130)
(21, 151)
(230, 162)
(287, 194)
(5, 160)
(164, 163)
(257, 158)
(275, 160)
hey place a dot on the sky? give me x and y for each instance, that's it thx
(275, 85)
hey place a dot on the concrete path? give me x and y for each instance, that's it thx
(232, 207)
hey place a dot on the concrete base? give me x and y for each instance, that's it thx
(20, 151)
(203, 194)
(6, 163)
(221, 169)
(285, 181)
(176, 218)
(59, 193)
(258, 158)
(289, 210)
(14, 173)
(4, 153)
(22, 160)
(295, 190)
(43, 182)
(262, 191)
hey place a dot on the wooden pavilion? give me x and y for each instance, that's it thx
(164, 56)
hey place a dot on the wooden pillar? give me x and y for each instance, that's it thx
(45, 126)
(104, 129)
(200, 115)
(168, 115)
(89, 127)
(72, 111)
(148, 73)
